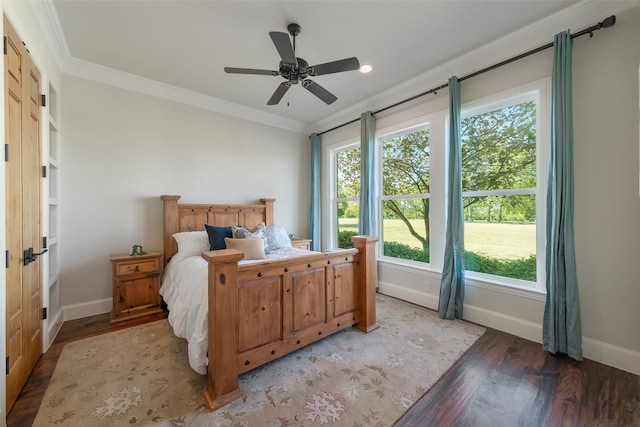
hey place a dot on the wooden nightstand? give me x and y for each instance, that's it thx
(301, 243)
(136, 285)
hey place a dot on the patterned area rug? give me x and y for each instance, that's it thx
(141, 376)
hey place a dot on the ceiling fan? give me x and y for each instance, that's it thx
(296, 70)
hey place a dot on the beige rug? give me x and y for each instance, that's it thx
(141, 376)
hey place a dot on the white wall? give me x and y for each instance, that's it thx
(121, 150)
(607, 195)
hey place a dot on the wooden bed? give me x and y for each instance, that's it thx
(261, 311)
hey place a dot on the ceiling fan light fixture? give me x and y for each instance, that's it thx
(366, 68)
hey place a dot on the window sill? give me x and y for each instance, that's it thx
(506, 287)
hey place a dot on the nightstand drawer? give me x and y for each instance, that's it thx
(149, 266)
(301, 243)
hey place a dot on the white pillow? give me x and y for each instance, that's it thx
(191, 243)
(277, 237)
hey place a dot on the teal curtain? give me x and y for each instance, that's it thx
(366, 223)
(452, 282)
(562, 331)
(314, 219)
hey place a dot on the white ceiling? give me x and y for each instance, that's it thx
(186, 44)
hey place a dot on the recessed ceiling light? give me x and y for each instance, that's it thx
(366, 69)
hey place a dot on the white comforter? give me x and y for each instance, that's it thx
(184, 290)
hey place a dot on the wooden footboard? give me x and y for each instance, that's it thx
(260, 312)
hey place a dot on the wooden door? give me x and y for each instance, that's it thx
(23, 200)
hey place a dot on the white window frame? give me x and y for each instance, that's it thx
(333, 150)
(382, 135)
(540, 91)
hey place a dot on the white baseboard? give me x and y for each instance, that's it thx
(411, 295)
(599, 351)
(612, 355)
(86, 309)
(54, 327)
(502, 322)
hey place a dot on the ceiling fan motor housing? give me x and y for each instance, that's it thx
(294, 73)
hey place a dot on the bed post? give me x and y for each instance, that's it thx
(268, 214)
(222, 325)
(170, 220)
(368, 278)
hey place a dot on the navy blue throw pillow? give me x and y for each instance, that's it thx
(217, 235)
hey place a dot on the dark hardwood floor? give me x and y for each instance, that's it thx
(502, 380)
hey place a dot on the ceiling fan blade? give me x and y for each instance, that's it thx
(279, 93)
(234, 70)
(347, 64)
(283, 44)
(319, 91)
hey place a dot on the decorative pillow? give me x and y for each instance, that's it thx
(253, 248)
(251, 233)
(191, 243)
(276, 237)
(217, 235)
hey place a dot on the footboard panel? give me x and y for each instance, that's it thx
(281, 306)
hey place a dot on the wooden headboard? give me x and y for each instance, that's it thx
(189, 217)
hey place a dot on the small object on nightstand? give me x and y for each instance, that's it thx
(136, 285)
(137, 250)
(301, 243)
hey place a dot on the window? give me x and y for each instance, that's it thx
(405, 194)
(347, 191)
(504, 166)
(501, 186)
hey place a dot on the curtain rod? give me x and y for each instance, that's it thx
(608, 22)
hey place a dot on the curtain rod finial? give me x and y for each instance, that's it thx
(609, 22)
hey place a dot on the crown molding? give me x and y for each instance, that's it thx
(47, 17)
(579, 16)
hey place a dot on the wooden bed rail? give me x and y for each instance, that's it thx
(261, 311)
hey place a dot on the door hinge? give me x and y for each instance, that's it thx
(6, 152)
(44, 171)
(6, 257)
(7, 365)
(44, 313)
(44, 242)
(5, 45)
(43, 98)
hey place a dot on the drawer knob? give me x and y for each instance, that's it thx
(273, 351)
(260, 274)
(247, 362)
(286, 269)
(137, 268)
(298, 342)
